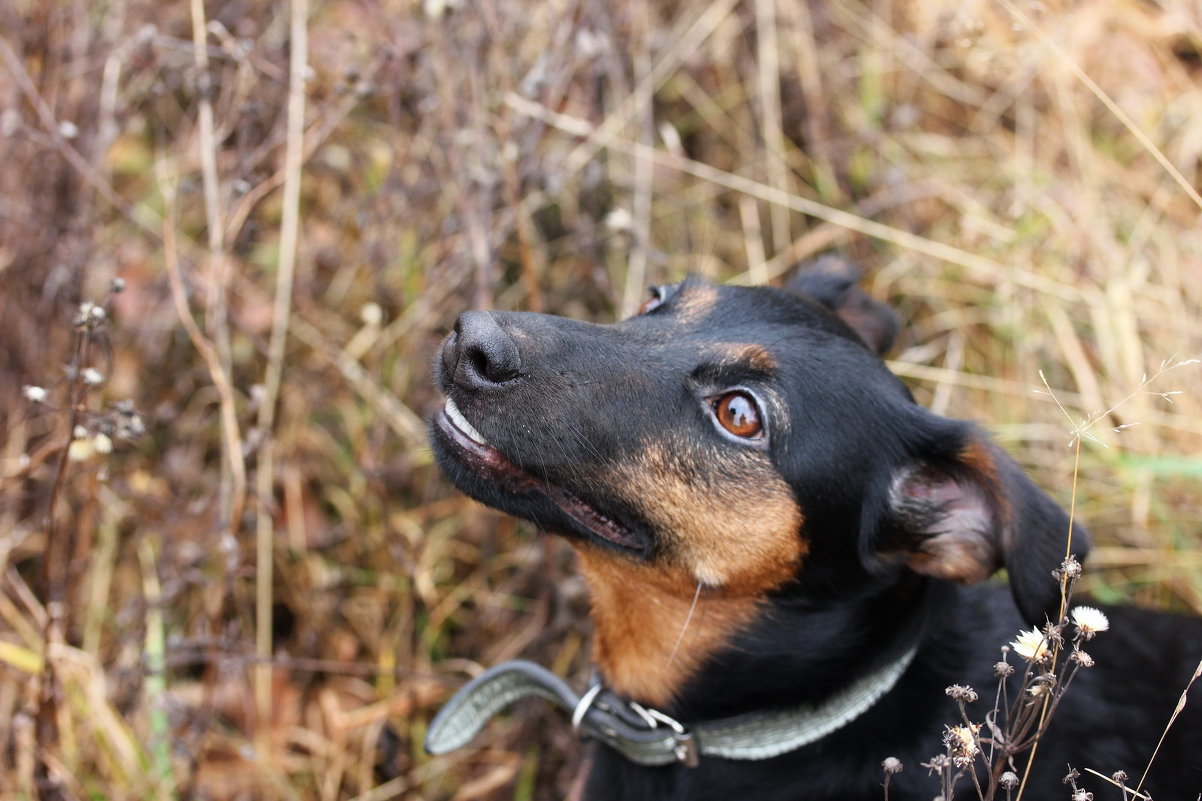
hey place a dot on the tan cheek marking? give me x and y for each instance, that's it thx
(735, 530)
(730, 523)
(640, 611)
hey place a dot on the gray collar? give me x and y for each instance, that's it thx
(647, 736)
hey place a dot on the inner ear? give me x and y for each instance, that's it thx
(965, 509)
(945, 525)
(833, 282)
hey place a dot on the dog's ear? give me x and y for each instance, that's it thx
(832, 281)
(963, 515)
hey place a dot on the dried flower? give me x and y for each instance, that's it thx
(1089, 621)
(961, 692)
(92, 377)
(1003, 669)
(80, 450)
(117, 286)
(1119, 776)
(1081, 658)
(961, 742)
(1070, 568)
(34, 394)
(1082, 795)
(1009, 780)
(892, 765)
(1031, 645)
(102, 443)
(937, 763)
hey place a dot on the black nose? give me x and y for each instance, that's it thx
(480, 354)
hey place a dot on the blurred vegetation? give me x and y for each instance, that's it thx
(268, 592)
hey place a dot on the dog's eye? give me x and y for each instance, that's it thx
(655, 298)
(738, 414)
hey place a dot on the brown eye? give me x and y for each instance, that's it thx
(738, 414)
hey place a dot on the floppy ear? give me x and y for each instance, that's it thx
(964, 515)
(832, 281)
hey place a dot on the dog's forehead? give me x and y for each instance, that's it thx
(757, 326)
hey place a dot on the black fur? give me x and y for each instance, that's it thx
(902, 510)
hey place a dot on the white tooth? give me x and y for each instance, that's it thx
(462, 424)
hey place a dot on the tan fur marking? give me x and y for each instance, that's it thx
(757, 357)
(639, 614)
(730, 524)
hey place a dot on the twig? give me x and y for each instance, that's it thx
(265, 478)
(54, 574)
(1172, 719)
(217, 374)
(216, 312)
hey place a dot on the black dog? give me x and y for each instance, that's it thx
(779, 543)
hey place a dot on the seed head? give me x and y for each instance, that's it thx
(1031, 645)
(961, 742)
(1003, 669)
(1089, 621)
(1009, 780)
(1119, 776)
(92, 377)
(892, 765)
(34, 394)
(961, 692)
(1070, 568)
(1081, 658)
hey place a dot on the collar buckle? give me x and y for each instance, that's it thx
(685, 746)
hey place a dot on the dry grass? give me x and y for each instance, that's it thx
(1016, 177)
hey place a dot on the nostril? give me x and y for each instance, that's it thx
(486, 354)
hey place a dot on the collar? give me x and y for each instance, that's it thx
(647, 736)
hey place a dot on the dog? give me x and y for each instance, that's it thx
(788, 561)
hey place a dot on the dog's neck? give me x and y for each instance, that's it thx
(704, 655)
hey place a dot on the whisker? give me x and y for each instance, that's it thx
(685, 626)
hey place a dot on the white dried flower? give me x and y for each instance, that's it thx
(98, 313)
(102, 443)
(892, 765)
(1089, 621)
(961, 742)
(68, 129)
(1031, 645)
(371, 314)
(92, 377)
(34, 394)
(619, 220)
(79, 432)
(80, 450)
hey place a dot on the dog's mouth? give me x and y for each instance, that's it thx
(474, 452)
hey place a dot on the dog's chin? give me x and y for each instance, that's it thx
(484, 473)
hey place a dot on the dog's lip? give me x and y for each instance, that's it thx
(489, 463)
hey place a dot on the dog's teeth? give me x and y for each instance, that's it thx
(462, 424)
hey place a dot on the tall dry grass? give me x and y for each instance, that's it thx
(268, 593)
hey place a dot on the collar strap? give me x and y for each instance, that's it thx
(647, 736)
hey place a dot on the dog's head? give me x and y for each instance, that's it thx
(744, 444)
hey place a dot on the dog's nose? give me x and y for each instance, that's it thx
(481, 354)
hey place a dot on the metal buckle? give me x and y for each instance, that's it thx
(583, 705)
(685, 748)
